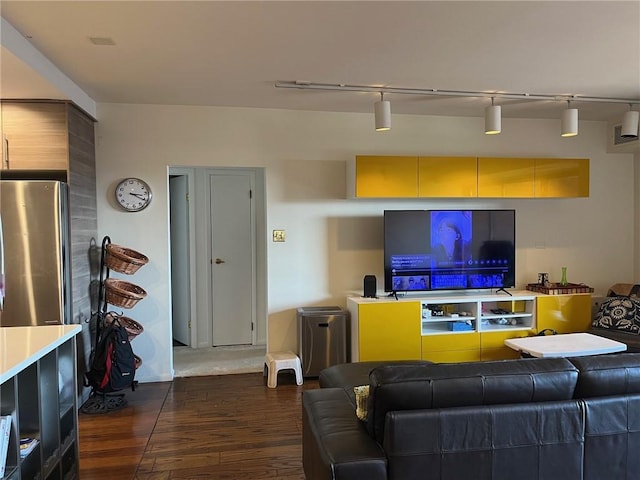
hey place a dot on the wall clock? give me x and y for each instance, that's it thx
(133, 194)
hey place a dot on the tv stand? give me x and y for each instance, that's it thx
(505, 291)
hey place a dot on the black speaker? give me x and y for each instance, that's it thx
(370, 286)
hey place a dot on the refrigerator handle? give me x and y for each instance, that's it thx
(2, 291)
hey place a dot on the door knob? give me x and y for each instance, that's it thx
(219, 261)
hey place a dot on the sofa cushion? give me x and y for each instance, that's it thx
(541, 441)
(349, 375)
(619, 313)
(413, 387)
(603, 375)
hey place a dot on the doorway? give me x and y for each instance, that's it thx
(211, 294)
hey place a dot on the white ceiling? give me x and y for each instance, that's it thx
(231, 53)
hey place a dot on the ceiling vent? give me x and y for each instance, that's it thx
(620, 144)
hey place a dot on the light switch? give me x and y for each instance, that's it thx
(278, 235)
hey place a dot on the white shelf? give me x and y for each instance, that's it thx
(477, 310)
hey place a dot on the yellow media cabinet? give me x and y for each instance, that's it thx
(458, 327)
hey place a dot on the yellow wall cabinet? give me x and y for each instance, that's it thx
(561, 177)
(564, 313)
(447, 177)
(384, 330)
(35, 136)
(386, 177)
(467, 177)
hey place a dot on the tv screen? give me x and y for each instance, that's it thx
(448, 249)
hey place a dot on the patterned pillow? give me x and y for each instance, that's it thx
(362, 398)
(619, 313)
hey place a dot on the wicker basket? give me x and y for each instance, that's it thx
(124, 260)
(132, 327)
(122, 294)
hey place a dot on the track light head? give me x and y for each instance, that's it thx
(569, 121)
(382, 111)
(492, 119)
(630, 124)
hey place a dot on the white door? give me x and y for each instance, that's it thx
(232, 258)
(180, 287)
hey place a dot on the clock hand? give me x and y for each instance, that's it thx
(139, 195)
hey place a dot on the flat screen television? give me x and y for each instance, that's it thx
(449, 249)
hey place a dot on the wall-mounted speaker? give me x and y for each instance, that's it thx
(370, 286)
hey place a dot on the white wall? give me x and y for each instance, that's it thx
(333, 242)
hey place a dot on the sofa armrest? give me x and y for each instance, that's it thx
(335, 444)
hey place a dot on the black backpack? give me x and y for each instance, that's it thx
(113, 364)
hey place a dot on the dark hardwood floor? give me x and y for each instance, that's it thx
(218, 427)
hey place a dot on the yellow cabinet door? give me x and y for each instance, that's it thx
(561, 177)
(453, 356)
(391, 177)
(506, 177)
(447, 177)
(389, 331)
(564, 313)
(451, 347)
(492, 345)
(35, 136)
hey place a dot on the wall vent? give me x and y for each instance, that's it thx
(619, 144)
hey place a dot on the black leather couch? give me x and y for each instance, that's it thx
(530, 419)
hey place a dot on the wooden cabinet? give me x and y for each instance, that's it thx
(55, 140)
(447, 177)
(39, 393)
(561, 177)
(35, 136)
(386, 177)
(506, 177)
(564, 313)
(385, 331)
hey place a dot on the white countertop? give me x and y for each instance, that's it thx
(448, 296)
(21, 346)
(565, 345)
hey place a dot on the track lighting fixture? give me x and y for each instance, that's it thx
(382, 111)
(569, 121)
(630, 123)
(493, 113)
(492, 119)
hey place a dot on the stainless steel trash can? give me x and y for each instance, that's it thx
(322, 338)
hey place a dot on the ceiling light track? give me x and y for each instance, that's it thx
(304, 85)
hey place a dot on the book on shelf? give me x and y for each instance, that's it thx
(5, 434)
(27, 444)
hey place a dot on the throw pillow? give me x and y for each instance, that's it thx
(362, 398)
(619, 313)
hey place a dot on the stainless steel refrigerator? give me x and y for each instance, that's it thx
(35, 275)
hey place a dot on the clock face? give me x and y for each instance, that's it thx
(133, 194)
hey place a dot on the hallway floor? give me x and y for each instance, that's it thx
(193, 362)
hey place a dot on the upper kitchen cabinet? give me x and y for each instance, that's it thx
(561, 177)
(506, 177)
(42, 136)
(34, 136)
(447, 177)
(385, 177)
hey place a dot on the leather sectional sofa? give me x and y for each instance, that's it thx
(530, 419)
